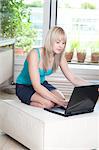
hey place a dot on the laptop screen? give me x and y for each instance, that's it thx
(83, 98)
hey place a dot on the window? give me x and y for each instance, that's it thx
(23, 20)
(29, 21)
(36, 18)
(80, 20)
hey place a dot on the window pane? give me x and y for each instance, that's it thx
(80, 20)
(23, 20)
(36, 17)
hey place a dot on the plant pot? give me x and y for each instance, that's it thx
(19, 51)
(81, 57)
(95, 57)
(69, 56)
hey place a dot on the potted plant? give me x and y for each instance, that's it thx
(81, 55)
(95, 52)
(15, 23)
(26, 38)
(70, 51)
(69, 54)
(95, 55)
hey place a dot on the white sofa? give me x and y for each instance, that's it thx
(38, 129)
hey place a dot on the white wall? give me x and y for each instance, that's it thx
(6, 64)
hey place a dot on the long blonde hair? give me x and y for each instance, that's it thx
(54, 34)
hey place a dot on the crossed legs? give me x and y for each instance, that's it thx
(39, 101)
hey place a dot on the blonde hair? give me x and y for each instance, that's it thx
(54, 34)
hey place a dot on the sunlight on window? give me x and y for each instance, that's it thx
(77, 3)
(28, 1)
(80, 20)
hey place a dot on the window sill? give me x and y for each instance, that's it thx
(91, 66)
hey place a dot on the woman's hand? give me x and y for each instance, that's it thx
(62, 103)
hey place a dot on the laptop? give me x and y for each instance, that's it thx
(82, 100)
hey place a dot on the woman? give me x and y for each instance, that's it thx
(31, 86)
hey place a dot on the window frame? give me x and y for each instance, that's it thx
(53, 22)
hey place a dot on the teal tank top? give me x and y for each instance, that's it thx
(24, 77)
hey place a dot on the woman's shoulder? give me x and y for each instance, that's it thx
(38, 51)
(35, 52)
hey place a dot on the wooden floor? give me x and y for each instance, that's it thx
(6, 142)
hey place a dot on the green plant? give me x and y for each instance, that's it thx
(35, 3)
(95, 56)
(15, 23)
(81, 50)
(12, 13)
(94, 47)
(81, 55)
(70, 50)
(87, 5)
(74, 44)
(94, 51)
(26, 37)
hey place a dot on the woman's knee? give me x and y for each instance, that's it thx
(49, 104)
(44, 102)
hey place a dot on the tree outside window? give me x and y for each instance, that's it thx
(18, 21)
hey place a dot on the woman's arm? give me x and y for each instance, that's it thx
(75, 80)
(35, 79)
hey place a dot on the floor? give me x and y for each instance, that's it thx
(6, 142)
